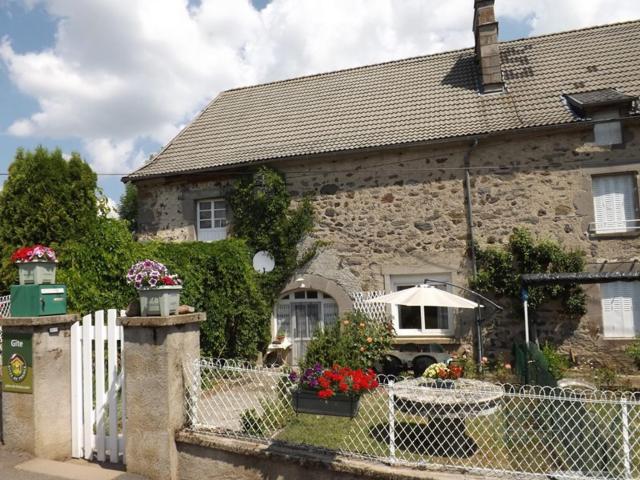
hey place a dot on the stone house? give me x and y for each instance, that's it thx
(408, 160)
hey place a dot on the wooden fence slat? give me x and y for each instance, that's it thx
(112, 351)
(87, 386)
(77, 425)
(100, 393)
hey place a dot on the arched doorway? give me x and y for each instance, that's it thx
(300, 314)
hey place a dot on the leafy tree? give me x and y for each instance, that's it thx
(499, 271)
(128, 207)
(47, 199)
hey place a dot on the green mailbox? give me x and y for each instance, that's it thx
(38, 300)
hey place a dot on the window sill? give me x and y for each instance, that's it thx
(619, 339)
(613, 235)
(424, 338)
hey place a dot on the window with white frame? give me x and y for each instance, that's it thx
(621, 309)
(301, 313)
(432, 321)
(212, 220)
(615, 203)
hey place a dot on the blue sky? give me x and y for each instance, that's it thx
(89, 80)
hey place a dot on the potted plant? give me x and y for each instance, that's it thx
(442, 376)
(159, 291)
(36, 264)
(332, 391)
(280, 336)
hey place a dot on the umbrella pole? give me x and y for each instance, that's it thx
(479, 337)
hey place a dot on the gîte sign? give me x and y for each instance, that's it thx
(17, 363)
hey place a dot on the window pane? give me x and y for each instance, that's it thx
(219, 223)
(330, 310)
(205, 214)
(205, 205)
(219, 214)
(312, 294)
(220, 205)
(313, 318)
(431, 318)
(205, 224)
(409, 317)
(299, 294)
(283, 318)
(300, 327)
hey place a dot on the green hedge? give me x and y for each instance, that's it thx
(218, 279)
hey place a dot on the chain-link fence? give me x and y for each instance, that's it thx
(475, 426)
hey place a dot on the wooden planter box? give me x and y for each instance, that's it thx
(340, 405)
(37, 273)
(159, 301)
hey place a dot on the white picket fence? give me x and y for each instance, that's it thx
(97, 400)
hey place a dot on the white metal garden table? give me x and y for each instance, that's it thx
(447, 409)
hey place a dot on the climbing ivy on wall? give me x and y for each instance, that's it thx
(499, 271)
(263, 216)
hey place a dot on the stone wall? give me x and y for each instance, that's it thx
(404, 211)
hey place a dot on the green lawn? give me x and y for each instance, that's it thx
(521, 436)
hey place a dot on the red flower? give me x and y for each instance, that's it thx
(326, 393)
(167, 280)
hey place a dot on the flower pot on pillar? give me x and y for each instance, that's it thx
(36, 265)
(163, 301)
(159, 291)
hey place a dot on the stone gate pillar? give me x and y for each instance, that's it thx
(36, 408)
(156, 350)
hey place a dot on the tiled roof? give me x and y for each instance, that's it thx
(406, 101)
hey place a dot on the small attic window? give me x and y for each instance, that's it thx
(605, 107)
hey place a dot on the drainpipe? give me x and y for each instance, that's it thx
(472, 246)
(467, 181)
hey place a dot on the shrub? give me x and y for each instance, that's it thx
(605, 377)
(557, 362)
(499, 271)
(354, 342)
(633, 351)
(218, 279)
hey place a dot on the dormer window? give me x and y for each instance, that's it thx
(605, 107)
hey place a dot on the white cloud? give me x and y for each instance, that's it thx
(548, 16)
(126, 72)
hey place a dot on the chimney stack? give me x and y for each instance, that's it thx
(485, 29)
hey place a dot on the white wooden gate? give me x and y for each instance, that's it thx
(97, 383)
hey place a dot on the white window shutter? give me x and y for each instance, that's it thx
(614, 203)
(621, 309)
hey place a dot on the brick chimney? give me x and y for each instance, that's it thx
(485, 29)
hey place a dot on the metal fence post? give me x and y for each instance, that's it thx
(392, 423)
(626, 447)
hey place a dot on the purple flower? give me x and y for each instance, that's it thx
(293, 376)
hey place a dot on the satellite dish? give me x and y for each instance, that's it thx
(263, 262)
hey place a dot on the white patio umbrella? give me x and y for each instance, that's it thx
(424, 296)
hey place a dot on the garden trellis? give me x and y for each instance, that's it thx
(500, 430)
